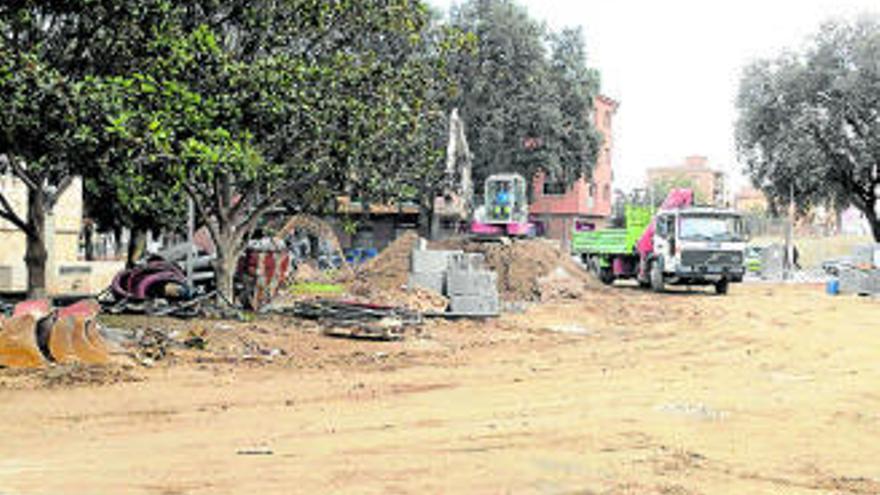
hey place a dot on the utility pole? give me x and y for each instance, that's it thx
(190, 227)
(789, 233)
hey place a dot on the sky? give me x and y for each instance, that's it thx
(674, 66)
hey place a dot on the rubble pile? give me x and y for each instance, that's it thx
(529, 270)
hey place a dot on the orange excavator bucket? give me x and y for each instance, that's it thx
(18, 343)
(88, 345)
(61, 341)
(37, 335)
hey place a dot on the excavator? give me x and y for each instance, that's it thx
(37, 334)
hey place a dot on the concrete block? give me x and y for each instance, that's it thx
(864, 254)
(435, 281)
(467, 262)
(476, 283)
(872, 282)
(430, 260)
(476, 305)
(856, 282)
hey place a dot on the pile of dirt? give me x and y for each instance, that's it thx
(529, 270)
(390, 269)
(383, 279)
(561, 284)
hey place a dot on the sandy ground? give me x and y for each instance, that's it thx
(772, 389)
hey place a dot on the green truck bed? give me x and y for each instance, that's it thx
(614, 241)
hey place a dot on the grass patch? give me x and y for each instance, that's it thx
(309, 288)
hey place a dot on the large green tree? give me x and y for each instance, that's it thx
(809, 122)
(525, 94)
(251, 104)
(47, 50)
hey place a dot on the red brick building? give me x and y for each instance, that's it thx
(588, 200)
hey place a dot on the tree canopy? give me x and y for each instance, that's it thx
(525, 94)
(809, 121)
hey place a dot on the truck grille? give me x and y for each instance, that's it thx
(711, 258)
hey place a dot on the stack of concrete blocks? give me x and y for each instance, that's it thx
(470, 287)
(865, 277)
(428, 268)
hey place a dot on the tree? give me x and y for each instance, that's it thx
(576, 141)
(525, 109)
(809, 122)
(47, 50)
(251, 104)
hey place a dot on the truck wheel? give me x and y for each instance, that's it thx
(606, 276)
(721, 286)
(657, 277)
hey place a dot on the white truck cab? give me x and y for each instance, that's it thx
(697, 246)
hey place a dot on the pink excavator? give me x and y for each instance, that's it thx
(505, 208)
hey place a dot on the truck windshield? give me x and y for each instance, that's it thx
(710, 228)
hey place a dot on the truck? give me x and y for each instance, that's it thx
(679, 244)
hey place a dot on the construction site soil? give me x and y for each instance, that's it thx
(771, 389)
(528, 270)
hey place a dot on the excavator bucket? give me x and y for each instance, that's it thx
(87, 307)
(61, 341)
(18, 343)
(36, 335)
(38, 308)
(86, 341)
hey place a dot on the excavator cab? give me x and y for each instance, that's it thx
(505, 199)
(505, 208)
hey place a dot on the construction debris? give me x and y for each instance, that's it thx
(354, 320)
(863, 275)
(262, 270)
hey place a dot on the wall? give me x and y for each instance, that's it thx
(590, 197)
(65, 273)
(708, 184)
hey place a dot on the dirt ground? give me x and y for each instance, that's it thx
(772, 389)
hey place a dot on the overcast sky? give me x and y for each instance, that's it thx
(674, 67)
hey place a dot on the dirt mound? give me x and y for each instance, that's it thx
(529, 270)
(390, 269)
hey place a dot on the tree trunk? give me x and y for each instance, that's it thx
(426, 214)
(873, 220)
(224, 269)
(88, 241)
(36, 254)
(137, 241)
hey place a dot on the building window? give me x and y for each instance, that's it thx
(554, 188)
(606, 192)
(591, 196)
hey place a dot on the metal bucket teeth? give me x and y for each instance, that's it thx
(18, 343)
(87, 343)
